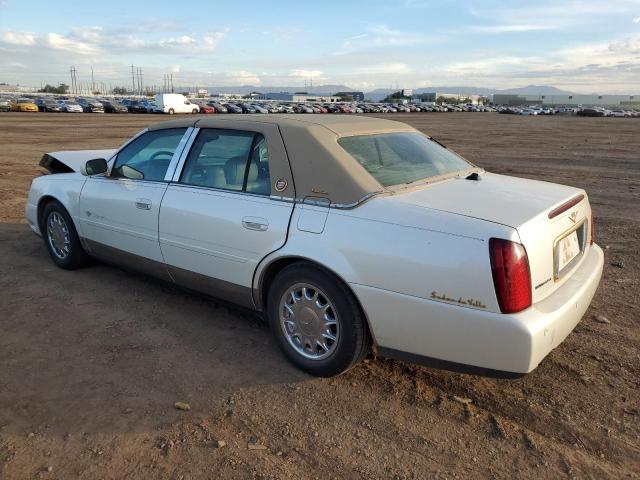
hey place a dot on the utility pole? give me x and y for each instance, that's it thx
(133, 80)
(171, 83)
(75, 81)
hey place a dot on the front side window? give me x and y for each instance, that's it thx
(230, 160)
(148, 156)
(402, 158)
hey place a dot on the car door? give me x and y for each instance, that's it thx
(218, 219)
(119, 211)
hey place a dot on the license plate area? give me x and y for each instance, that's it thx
(568, 249)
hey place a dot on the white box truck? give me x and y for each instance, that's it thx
(175, 103)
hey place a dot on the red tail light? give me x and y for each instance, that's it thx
(593, 229)
(511, 275)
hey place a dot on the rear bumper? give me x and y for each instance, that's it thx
(514, 343)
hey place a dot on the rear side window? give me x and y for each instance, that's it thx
(148, 156)
(229, 160)
(401, 158)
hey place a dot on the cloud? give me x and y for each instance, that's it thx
(18, 38)
(61, 42)
(557, 15)
(385, 68)
(98, 40)
(306, 73)
(380, 35)
(636, 20)
(513, 28)
(242, 77)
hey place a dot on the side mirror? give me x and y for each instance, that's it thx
(96, 166)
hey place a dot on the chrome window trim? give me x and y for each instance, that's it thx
(368, 196)
(172, 163)
(115, 155)
(177, 154)
(175, 177)
(234, 192)
(185, 154)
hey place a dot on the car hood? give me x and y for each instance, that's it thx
(71, 160)
(496, 198)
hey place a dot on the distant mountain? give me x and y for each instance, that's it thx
(380, 93)
(536, 90)
(316, 90)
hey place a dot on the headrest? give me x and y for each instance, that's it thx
(234, 171)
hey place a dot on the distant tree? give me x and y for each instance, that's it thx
(450, 100)
(120, 91)
(60, 89)
(344, 97)
(393, 98)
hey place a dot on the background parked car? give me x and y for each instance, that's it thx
(5, 105)
(23, 105)
(114, 106)
(175, 103)
(50, 105)
(70, 106)
(220, 108)
(90, 105)
(247, 108)
(136, 106)
(207, 109)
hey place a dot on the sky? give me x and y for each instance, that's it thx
(585, 46)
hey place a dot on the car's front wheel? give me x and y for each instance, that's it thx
(61, 237)
(316, 320)
(171, 111)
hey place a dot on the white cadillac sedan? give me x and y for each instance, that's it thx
(349, 234)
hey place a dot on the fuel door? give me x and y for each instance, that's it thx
(313, 214)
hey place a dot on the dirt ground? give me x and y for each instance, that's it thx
(92, 361)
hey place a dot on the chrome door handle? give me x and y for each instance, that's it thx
(255, 223)
(143, 203)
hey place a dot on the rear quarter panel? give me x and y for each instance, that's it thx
(399, 249)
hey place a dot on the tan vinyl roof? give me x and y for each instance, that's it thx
(320, 167)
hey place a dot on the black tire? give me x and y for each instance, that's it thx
(194, 111)
(353, 342)
(171, 111)
(76, 257)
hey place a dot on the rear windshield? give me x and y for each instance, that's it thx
(404, 157)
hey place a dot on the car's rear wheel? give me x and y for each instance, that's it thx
(316, 320)
(195, 110)
(171, 111)
(61, 237)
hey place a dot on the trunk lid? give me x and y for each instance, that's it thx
(524, 205)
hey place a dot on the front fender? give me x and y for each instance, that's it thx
(63, 187)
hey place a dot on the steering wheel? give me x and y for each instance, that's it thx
(161, 152)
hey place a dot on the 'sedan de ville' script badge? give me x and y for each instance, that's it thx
(462, 301)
